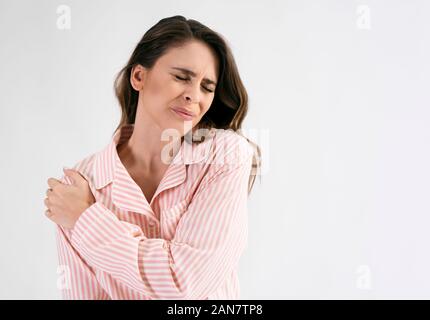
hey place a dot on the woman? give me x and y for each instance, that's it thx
(146, 218)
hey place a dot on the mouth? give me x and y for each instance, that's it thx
(184, 114)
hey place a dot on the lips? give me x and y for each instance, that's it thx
(183, 113)
(183, 110)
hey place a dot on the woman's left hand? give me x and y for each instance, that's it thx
(65, 202)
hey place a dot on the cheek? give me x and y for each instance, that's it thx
(207, 104)
(161, 98)
(204, 110)
(163, 88)
(174, 87)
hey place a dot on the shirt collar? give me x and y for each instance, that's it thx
(107, 162)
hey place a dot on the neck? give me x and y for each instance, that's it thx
(144, 149)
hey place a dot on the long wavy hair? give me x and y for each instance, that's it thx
(230, 104)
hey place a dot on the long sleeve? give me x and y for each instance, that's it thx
(207, 245)
(78, 281)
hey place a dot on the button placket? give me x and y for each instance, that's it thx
(153, 227)
(152, 223)
(166, 246)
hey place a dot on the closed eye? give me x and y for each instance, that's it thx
(178, 77)
(187, 79)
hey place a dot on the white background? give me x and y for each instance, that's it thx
(342, 210)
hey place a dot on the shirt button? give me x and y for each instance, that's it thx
(152, 223)
(135, 232)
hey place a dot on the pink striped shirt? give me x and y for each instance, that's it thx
(185, 244)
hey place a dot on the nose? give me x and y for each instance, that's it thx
(192, 96)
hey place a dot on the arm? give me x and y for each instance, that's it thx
(208, 243)
(78, 279)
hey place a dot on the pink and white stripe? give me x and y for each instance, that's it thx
(185, 244)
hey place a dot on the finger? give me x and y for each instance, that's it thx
(75, 175)
(48, 192)
(48, 213)
(52, 182)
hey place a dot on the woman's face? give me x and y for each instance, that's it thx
(183, 77)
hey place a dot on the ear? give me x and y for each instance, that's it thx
(137, 77)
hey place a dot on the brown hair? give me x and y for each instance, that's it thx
(230, 104)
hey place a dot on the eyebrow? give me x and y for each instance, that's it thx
(193, 74)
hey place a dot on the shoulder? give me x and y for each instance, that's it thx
(84, 167)
(231, 147)
(230, 138)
